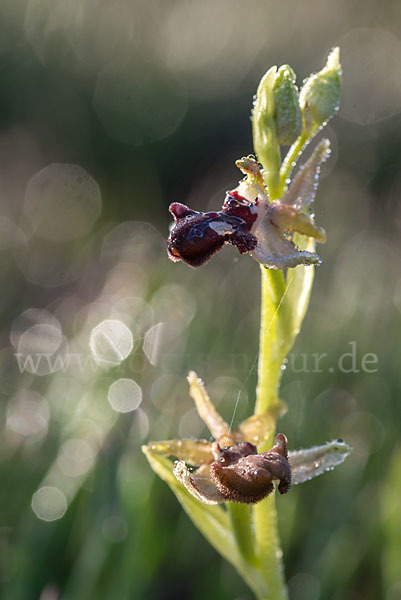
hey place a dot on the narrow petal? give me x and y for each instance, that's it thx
(249, 166)
(302, 190)
(199, 483)
(247, 190)
(193, 452)
(311, 462)
(207, 412)
(180, 211)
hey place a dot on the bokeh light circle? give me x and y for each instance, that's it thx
(42, 349)
(62, 202)
(10, 234)
(49, 503)
(75, 457)
(111, 342)
(42, 338)
(28, 414)
(125, 395)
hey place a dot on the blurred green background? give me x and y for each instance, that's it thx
(110, 110)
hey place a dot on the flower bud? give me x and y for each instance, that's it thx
(287, 112)
(264, 131)
(320, 94)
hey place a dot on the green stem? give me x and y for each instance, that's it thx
(273, 348)
(290, 160)
(240, 516)
(280, 321)
(269, 550)
(273, 339)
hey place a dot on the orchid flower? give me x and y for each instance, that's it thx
(230, 468)
(249, 221)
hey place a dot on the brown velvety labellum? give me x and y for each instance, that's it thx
(243, 475)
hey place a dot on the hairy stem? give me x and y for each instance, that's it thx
(290, 160)
(269, 550)
(273, 348)
(273, 341)
(240, 516)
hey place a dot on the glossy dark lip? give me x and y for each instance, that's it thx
(196, 236)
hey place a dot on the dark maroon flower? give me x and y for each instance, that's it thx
(196, 236)
(251, 222)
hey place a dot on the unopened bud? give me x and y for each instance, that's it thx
(264, 131)
(320, 94)
(287, 112)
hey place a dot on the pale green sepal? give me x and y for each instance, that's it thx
(311, 462)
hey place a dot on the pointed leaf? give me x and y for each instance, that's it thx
(212, 521)
(299, 282)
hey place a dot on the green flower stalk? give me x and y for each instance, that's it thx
(228, 486)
